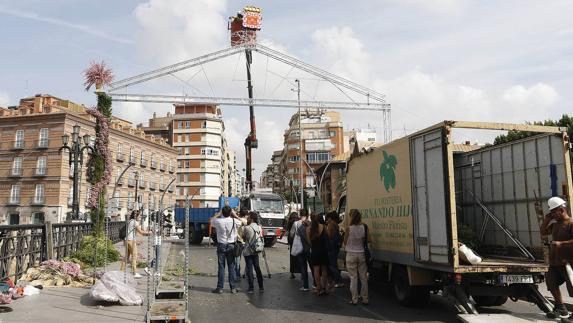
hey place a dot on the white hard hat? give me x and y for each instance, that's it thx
(555, 202)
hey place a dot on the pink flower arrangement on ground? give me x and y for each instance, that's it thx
(101, 148)
(65, 267)
(97, 74)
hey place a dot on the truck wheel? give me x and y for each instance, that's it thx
(270, 242)
(195, 236)
(490, 300)
(405, 294)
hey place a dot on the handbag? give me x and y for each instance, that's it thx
(297, 247)
(367, 254)
(238, 248)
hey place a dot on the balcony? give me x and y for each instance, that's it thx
(120, 157)
(19, 145)
(16, 172)
(132, 160)
(14, 200)
(40, 172)
(131, 182)
(171, 169)
(143, 162)
(38, 200)
(162, 167)
(153, 164)
(152, 186)
(42, 144)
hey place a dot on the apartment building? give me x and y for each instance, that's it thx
(322, 138)
(206, 167)
(36, 179)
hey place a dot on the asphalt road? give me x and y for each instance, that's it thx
(282, 301)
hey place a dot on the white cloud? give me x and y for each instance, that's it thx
(4, 99)
(135, 112)
(66, 24)
(342, 51)
(540, 95)
(176, 30)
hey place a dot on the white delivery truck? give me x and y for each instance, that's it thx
(421, 194)
(270, 208)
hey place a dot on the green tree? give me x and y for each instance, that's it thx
(565, 121)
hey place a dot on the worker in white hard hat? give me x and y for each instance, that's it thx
(559, 225)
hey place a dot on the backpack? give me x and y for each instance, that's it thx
(258, 243)
(123, 231)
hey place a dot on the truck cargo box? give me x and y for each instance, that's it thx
(416, 192)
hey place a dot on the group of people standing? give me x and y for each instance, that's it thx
(238, 235)
(317, 242)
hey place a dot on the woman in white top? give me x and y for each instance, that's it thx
(354, 241)
(133, 227)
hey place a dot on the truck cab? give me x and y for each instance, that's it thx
(270, 208)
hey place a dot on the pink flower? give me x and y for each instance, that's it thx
(97, 74)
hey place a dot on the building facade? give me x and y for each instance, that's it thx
(37, 179)
(322, 138)
(206, 167)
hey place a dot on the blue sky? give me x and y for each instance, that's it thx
(445, 59)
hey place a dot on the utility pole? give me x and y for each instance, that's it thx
(300, 146)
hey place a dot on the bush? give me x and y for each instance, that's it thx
(87, 251)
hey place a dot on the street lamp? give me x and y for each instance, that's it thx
(76, 158)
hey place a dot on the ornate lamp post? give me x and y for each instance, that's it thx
(76, 158)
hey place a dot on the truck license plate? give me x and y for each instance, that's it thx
(516, 279)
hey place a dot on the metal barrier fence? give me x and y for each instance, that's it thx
(26, 246)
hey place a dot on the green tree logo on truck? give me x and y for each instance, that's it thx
(387, 169)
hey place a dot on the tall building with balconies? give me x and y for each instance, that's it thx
(322, 138)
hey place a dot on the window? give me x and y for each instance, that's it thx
(294, 146)
(179, 150)
(187, 164)
(71, 170)
(19, 140)
(15, 194)
(209, 152)
(204, 124)
(295, 182)
(14, 218)
(17, 166)
(295, 170)
(38, 218)
(71, 196)
(332, 133)
(314, 158)
(92, 141)
(180, 124)
(43, 138)
(179, 138)
(187, 150)
(116, 200)
(293, 159)
(39, 196)
(129, 201)
(41, 165)
(88, 193)
(119, 148)
(294, 134)
(188, 124)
